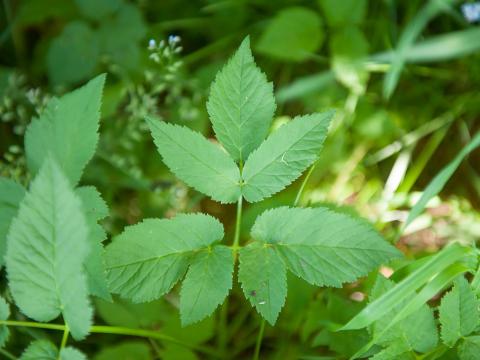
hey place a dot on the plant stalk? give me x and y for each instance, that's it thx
(66, 332)
(117, 330)
(258, 344)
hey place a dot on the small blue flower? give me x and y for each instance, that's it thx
(151, 44)
(471, 11)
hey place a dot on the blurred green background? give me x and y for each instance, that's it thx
(403, 76)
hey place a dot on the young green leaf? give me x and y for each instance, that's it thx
(469, 348)
(147, 259)
(263, 276)
(95, 209)
(196, 161)
(207, 283)
(67, 129)
(241, 104)
(284, 156)
(323, 247)
(45, 350)
(4, 314)
(46, 249)
(11, 194)
(458, 312)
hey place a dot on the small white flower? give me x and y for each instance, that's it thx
(471, 11)
(152, 44)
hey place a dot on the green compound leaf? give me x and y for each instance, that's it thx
(46, 249)
(95, 209)
(294, 34)
(284, 156)
(263, 276)
(4, 314)
(207, 283)
(67, 129)
(458, 312)
(469, 348)
(11, 194)
(73, 55)
(45, 350)
(418, 330)
(196, 161)
(147, 259)
(241, 104)
(323, 247)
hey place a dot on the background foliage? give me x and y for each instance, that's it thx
(403, 77)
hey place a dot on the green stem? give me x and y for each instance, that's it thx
(101, 329)
(66, 331)
(258, 344)
(238, 223)
(304, 182)
(223, 334)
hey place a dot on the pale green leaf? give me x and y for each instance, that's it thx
(469, 349)
(40, 350)
(241, 104)
(95, 209)
(11, 194)
(46, 248)
(67, 129)
(73, 55)
(294, 34)
(263, 276)
(284, 156)
(323, 247)
(207, 283)
(418, 330)
(131, 350)
(439, 181)
(4, 314)
(196, 161)
(147, 259)
(458, 312)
